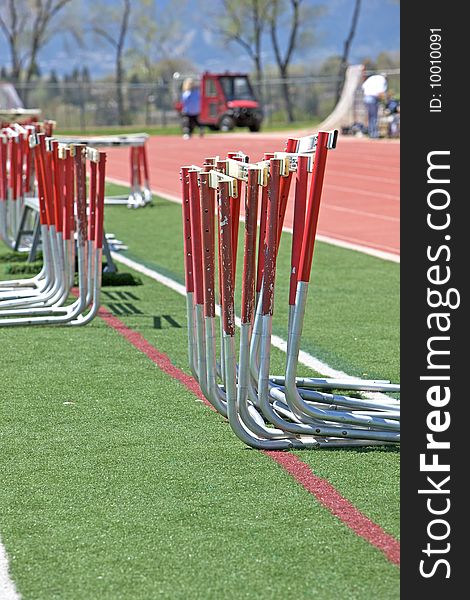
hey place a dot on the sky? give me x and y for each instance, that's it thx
(378, 30)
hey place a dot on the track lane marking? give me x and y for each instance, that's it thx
(7, 587)
(340, 507)
(361, 192)
(362, 213)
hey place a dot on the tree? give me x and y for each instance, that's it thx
(28, 25)
(153, 39)
(157, 45)
(12, 23)
(52, 86)
(86, 78)
(111, 23)
(243, 23)
(297, 34)
(43, 13)
(347, 46)
(387, 60)
(330, 65)
(53, 79)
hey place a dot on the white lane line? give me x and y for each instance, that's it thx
(362, 213)
(390, 256)
(304, 357)
(384, 255)
(360, 192)
(7, 587)
(332, 171)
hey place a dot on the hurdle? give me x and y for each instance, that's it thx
(140, 194)
(23, 116)
(65, 216)
(266, 411)
(15, 179)
(18, 206)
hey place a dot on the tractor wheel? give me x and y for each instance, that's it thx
(255, 127)
(226, 123)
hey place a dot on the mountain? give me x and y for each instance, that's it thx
(378, 30)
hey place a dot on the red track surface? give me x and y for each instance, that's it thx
(360, 203)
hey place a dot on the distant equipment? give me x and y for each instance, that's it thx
(227, 101)
(11, 104)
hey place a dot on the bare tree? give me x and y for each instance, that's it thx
(347, 47)
(112, 25)
(278, 8)
(157, 46)
(154, 39)
(243, 23)
(12, 24)
(28, 26)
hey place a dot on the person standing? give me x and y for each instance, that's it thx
(373, 88)
(191, 107)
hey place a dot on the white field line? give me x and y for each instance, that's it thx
(304, 357)
(357, 247)
(7, 587)
(322, 238)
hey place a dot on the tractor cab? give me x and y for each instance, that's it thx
(228, 101)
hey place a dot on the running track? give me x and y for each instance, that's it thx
(360, 203)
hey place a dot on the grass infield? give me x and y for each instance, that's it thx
(176, 129)
(116, 483)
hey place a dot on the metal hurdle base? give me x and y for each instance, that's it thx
(134, 200)
(140, 194)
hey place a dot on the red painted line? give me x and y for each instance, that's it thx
(159, 358)
(323, 491)
(339, 506)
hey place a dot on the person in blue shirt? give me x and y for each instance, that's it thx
(191, 101)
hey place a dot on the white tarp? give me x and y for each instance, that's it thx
(9, 97)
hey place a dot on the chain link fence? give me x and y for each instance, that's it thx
(88, 105)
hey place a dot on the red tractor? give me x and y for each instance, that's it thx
(228, 101)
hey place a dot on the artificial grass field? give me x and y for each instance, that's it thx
(117, 483)
(176, 129)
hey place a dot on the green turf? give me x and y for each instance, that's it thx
(116, 483)
(369, 478)
(355, 473)
(176, 129)
(17, 268)
(352, 322)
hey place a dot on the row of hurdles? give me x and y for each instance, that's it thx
(265, 411)
(64, 185)
(43, 203)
